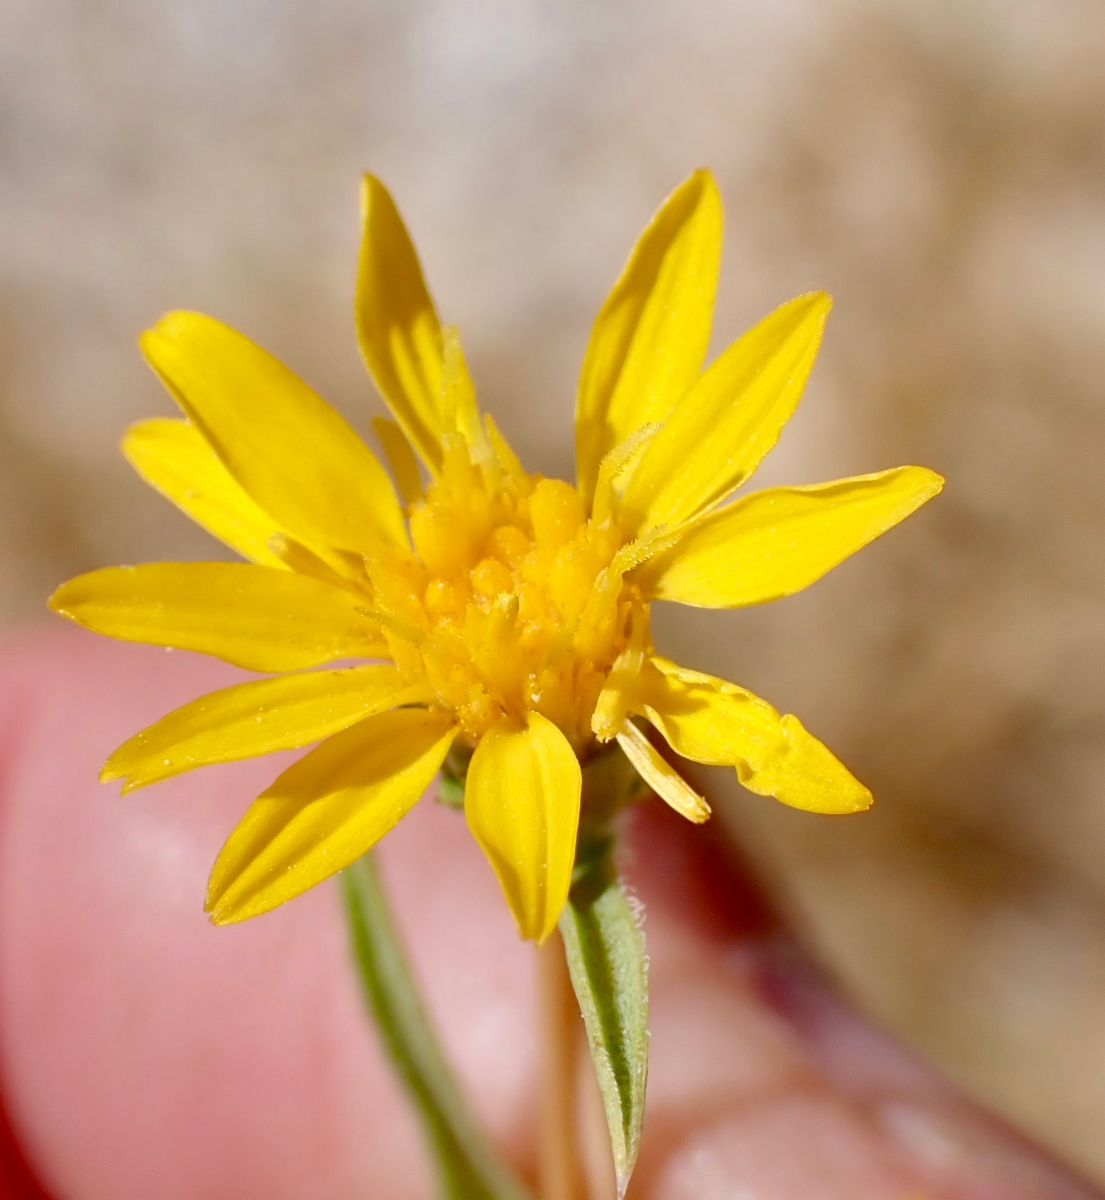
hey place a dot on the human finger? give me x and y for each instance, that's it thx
(148, 1053)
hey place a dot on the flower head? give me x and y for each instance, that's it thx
(507, 614)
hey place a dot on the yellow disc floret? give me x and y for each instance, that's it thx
(512, 600)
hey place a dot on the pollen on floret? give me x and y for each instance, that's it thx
(442, 538)
(502, 588)
(556, 513)
(490, 577)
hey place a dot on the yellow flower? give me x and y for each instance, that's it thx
(511, 612)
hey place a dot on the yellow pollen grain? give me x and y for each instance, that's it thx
(490, 577)
(443, 597)
(508, 544)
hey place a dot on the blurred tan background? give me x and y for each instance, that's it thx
(939, 165)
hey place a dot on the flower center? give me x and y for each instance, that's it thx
(516, 595)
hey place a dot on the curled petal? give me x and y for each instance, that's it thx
(522, 803)
(326, 810)
(711, 721)
(660, 775)
(778, 541)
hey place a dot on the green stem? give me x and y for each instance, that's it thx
(468, 1166)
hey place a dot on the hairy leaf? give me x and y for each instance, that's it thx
(606, 959)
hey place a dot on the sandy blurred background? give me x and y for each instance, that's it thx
(939, 166)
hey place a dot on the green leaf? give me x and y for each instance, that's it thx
(609, 968)
(468, 1166)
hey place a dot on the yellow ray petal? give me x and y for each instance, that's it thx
(397, 325)
(255, 617)
(326, 810)
(721, 430)
(522, 803)
(651, 334)
(460, 413)
(712, 721)
(339, 568)
(504, 455)
(401, 459)
(294, 455)
(661, 776)
(256, 718)
(174, 458)
(778, 541)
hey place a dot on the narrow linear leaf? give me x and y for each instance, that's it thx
(605, 948)
(468, 1167)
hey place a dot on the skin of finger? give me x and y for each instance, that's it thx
(147, 1053)
(728, 1070)
(765, 1085)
